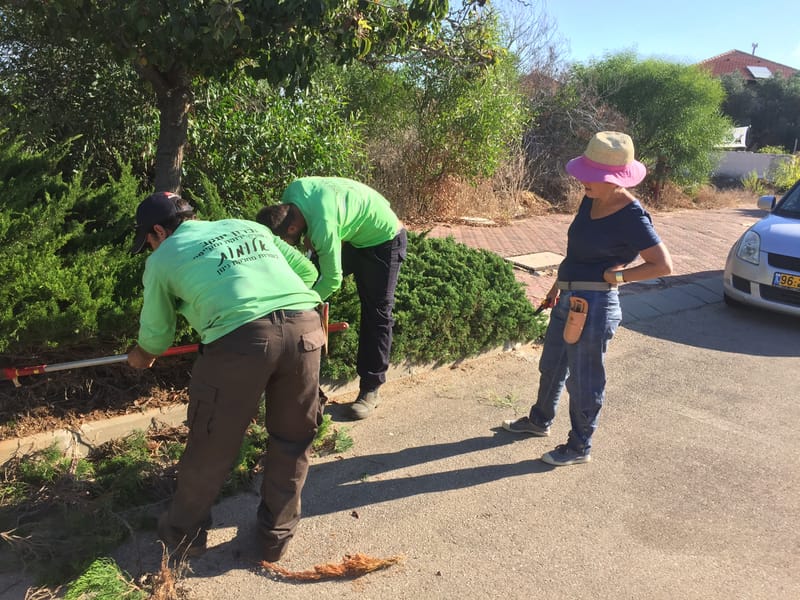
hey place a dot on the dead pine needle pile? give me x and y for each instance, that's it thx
(352, 566)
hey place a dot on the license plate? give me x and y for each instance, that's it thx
(784, 280)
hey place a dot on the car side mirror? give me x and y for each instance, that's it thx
(766, 203)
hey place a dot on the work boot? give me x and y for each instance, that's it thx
(365, 404)
(181, 545)
(273, 551)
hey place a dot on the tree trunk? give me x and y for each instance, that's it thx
(660, 174)
(174, 98)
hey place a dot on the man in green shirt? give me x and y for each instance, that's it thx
(352, 229)
(247, 294)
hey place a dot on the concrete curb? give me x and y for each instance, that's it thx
(81, 440)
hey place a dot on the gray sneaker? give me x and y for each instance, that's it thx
(563, 455)
(364, 404)
(525, 425)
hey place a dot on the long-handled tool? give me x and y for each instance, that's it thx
(13, 373)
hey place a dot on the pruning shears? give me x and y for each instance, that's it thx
(546, 303)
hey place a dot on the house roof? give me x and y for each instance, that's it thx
(749, 66)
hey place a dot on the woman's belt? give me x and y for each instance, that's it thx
(586, 286)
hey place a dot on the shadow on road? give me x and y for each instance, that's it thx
(352, 483)
(355, 481)
(719, 327)
(753, 213)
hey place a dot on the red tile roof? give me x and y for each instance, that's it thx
(737, 61)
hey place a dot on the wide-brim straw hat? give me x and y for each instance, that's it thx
(609, 158)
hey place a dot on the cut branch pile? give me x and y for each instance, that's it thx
(353, 565)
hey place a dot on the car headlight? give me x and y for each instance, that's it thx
(749, 247)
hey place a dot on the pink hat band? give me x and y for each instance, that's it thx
(610, 168)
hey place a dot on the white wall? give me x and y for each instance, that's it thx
(735, 165)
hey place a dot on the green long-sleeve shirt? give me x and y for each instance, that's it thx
(220, 275)
(340, 210)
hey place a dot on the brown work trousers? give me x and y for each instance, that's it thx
(278, 355)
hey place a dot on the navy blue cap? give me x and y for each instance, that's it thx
(154, 209)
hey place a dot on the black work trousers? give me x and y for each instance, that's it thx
(375, 270)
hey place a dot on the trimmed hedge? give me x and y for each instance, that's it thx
(452, 301)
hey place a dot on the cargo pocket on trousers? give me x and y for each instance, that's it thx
(313, 340)
(202, 406)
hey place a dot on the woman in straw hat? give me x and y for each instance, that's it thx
(610, 230)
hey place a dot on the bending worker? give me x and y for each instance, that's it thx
(248, 295)
(352, 229)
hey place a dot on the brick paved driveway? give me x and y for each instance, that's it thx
(698, 240)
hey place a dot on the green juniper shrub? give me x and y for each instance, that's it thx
(452, 302)
(338, 364)
(104, 580)
(330, 440)
(455, 301)
(66, 277)
(125, 473)
(68, 282)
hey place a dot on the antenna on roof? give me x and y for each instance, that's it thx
(754, 45)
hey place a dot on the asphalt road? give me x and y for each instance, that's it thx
(694, 490)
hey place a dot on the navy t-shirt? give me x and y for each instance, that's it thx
(594, 245)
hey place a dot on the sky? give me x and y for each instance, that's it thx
(683, 31)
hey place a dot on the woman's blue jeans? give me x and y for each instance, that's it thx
(581, 366)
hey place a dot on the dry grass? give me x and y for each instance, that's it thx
(705, 198)
(712, 197)
(507, 196)
(164, 585)
(455, 200)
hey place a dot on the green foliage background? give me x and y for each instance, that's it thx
(251, 140)
(66, 277)
(68, 283)
(770, 106)
(673, 110)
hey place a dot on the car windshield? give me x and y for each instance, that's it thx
(789, 205)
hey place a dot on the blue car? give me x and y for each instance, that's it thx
(763, 266)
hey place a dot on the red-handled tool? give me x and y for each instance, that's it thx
(546, 303)
(13, 373)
